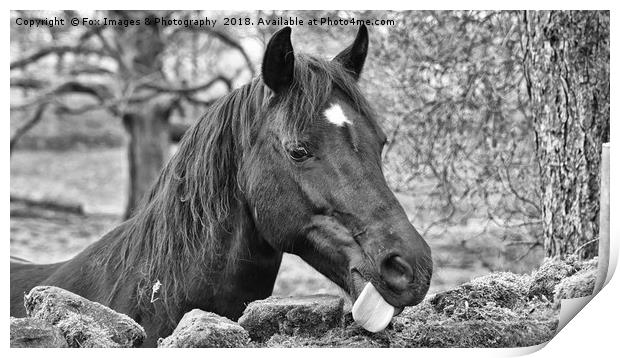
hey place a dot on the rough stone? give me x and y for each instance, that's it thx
(35, 333)
(82, 322)
(550, 273)
(555, 270)
(504, 290)
(497, 310)
(423, 326)
(302, 316)
(200, 329)
(580, 284)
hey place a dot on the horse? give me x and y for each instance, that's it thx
(289, 162)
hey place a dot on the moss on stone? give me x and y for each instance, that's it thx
(35, 333)
(554, 270)
(84, 323)
(550, 273)
(200, 329)
(580, 284)
(495, 310)
(301, 316)
(84, 332)
(502, 289)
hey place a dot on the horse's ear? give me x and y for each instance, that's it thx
(353, 57)
(279, 61)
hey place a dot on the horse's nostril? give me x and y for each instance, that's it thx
(396, 272)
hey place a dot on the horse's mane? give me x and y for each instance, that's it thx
(180, 226)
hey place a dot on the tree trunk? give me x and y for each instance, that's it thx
(147, 122)
(149, 146)
(566, 64)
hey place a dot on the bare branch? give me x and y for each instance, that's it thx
(37, 116)
(190, 90)
(196, 101)
(228, 40)
(100, 92)
(530, 248)
(31, 83)
(111, 105)
(89, 69)
(55, 50)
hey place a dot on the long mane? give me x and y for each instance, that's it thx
(193, 213)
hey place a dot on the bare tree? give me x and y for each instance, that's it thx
(567, 71)
(122, 70)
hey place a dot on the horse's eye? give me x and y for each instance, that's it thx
(299, 153)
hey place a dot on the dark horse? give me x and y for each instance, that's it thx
(290, 162)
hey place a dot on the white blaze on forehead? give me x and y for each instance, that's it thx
(335, 115)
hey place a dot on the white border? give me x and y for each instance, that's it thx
(592, 331)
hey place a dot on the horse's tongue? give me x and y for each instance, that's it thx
(371, 311)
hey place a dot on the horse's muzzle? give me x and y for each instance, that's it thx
(399, 269)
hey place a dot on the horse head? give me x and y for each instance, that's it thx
(315, 186)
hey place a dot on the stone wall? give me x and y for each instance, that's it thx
(497, 310)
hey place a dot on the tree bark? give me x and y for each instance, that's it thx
(566, 64)
(146, 123)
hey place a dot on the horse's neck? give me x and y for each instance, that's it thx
(243, 272)
(100, 273)
(250, 278)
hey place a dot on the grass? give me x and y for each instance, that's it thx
(96, 178)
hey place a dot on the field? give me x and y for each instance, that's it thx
(96, 179)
